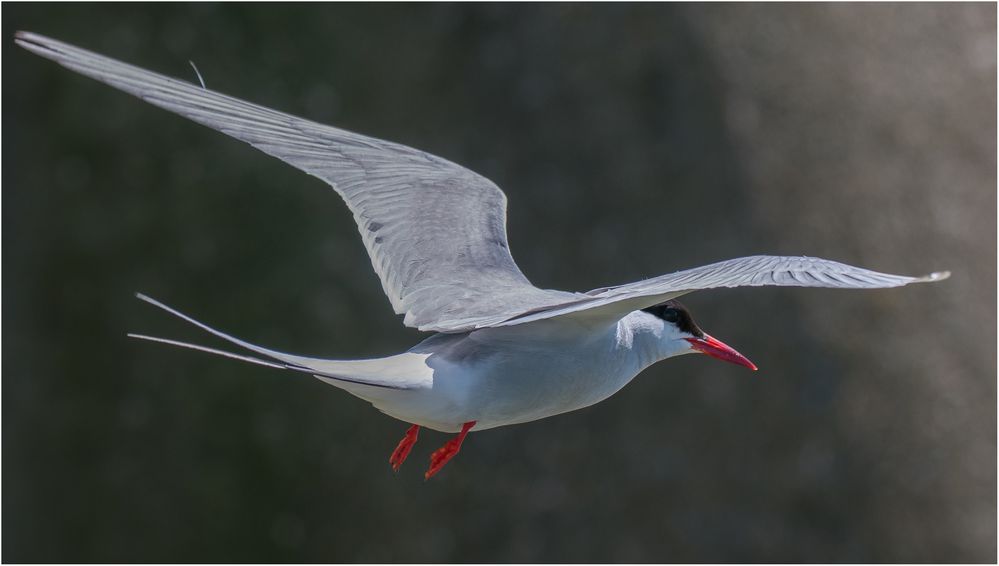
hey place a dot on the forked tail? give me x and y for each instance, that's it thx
(374, 373)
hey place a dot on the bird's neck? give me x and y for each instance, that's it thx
(641, 335)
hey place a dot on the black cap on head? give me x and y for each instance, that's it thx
(675, 313)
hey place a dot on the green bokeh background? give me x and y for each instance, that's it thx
(631, 140)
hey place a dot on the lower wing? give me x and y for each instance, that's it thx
(611, 303)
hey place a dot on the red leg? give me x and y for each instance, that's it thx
(448, 451)
(405, 445)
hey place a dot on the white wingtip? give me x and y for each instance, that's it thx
(935, 276)
(30, 41)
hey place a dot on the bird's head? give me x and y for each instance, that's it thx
(684, 336)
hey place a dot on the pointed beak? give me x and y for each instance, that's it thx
(718, 349)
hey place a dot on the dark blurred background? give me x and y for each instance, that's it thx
(632, 140)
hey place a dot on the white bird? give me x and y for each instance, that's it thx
(503, 351)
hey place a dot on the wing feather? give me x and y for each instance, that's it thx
(435, 231)
(611, 303)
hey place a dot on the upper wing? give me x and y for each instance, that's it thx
(435, 231)
(611, 303)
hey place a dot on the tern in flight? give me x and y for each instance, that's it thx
(502, 351)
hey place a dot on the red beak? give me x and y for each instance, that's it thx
(718, 349)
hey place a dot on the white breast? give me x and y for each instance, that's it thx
(503, 376)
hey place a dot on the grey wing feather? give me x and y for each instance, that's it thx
(435, 231)
(611, 303)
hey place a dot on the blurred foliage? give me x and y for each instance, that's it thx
(632, 140)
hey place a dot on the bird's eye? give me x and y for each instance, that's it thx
(671, 315)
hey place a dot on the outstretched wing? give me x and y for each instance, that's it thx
(611, 303)
(435, 231)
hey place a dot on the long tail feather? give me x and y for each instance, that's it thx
(314, 366)
(217, 352)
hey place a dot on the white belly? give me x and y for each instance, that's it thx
(495, 382)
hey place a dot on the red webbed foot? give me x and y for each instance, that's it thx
(405, 445)
(448, 451)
